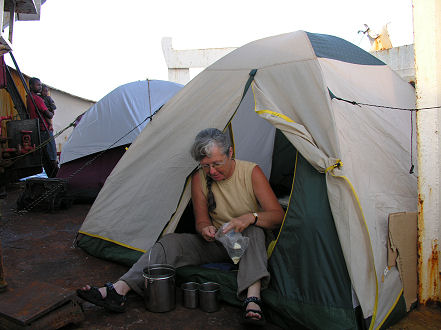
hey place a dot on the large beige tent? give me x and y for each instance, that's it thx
(286, 83)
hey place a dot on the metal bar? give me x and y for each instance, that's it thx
(27, 90)
(19, 105)
(11, 20)
(2, 6)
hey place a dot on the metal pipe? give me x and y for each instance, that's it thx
(27, 90)
(11, 20)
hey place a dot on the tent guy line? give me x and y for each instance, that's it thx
(109, 147)
(412, 166)
(120, 114)
(381, 106)
(42, 144)
(56, 187)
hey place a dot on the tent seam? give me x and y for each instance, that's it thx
(391, 310)
(265, 67)
(273, 244)
(374, 314)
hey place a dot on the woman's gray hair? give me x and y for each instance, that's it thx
(206, 140)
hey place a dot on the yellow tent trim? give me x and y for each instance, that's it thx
(112, 241)
(273, 113)
(338, 164)
(230, 129)
(392, 308)
(374, 315)
(272, 245)
(276, 114)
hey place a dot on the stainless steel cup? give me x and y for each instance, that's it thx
(209, 296)
(190, 294)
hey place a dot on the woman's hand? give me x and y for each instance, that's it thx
(239, 224)
(208, 233)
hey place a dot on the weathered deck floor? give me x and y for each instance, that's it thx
(37, 246)
(421, 318)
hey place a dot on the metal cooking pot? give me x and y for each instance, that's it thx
(159, 288)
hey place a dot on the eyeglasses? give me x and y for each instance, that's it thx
(215, 165)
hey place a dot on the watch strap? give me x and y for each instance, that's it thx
(256, 217)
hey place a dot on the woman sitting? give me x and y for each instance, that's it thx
(224, 190)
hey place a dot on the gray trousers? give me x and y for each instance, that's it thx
(180, 250)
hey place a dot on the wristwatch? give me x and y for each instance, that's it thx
(255, 217)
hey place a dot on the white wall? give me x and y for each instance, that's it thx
(427, 35)
(69, 107)
(400, 59)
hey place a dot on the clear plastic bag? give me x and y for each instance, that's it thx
(234, 243)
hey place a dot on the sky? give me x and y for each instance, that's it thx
(90, 47)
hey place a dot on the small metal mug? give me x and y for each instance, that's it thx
(190, 294)
(209, 296)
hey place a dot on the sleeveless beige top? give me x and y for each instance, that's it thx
(234, 196)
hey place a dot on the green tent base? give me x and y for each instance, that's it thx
(108, 250)
(279, 310)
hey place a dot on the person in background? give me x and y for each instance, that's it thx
(37, 110)
(223, 191)
(49, 102)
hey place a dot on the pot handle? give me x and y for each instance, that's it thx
(150, 253)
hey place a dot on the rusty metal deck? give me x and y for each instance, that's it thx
(37, 247)
(39, 305)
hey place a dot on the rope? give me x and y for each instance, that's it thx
(381, 106)
(150, 102)
(338, 164)
(40, 146)
(411, 144)
(412, 110)
(56, 187)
